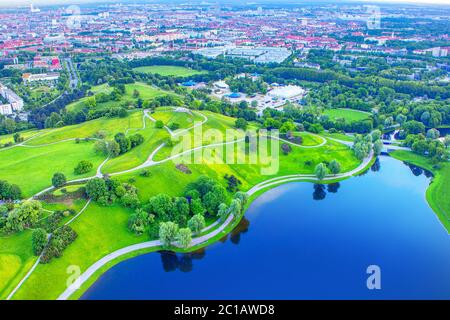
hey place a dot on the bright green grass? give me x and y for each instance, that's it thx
(309, 139)
(213, 130)
(79, 104)
(347, 114)
(16, 258)
(172, 181)
(101, 230)
(169, 71)
(438, 193)
(339, 136)
(146, 92)
(32, 168)
(24, 134)
(70, 188)
(87, 129)
(168, 116)
(152, 139)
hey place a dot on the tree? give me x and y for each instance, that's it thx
(180, 211)
(433, 134)
(242, 196)
(17, 138)
(123, 141)
(223, 211)
(167, 232)
(96, 188)
(184, 237)
(376, 135)
(447, 141)
(136, 139)
(213, 198)
(335, 167)
(320, 171)
(196, 223)
(58, 179)
(38, 240)
(83, 166)
(241, 123)
(235, 207)
(9, 191)
(197, 207)
(159, 124)
(161, 205)
(113, 148)
(377, 147)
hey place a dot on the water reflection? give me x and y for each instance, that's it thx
(242, 227)
(418, 171)
(183, 262)
(333, 187)
(376, 165)
(319, 192)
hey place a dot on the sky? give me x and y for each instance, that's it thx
(15, 3)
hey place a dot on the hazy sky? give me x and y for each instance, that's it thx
(15, 3)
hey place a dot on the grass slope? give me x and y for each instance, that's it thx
(169, 71)
(438, 193)
(87, 129)
(32, 168)
(349, 115)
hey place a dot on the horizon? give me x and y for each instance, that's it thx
(22, 3)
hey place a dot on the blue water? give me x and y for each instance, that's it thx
(306, 241)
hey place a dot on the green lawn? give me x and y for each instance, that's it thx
(438, 193)
(32, 168)
(102, 230)
(152, 139)
(339, 136)
(168, 116)
(348, 114)
(309, 139)
(87, 129)
(169, 71)
(16, 258)
(79, 104)
(24, 134)
(146, 92)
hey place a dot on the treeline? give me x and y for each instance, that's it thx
(413, 88)
(38, 116)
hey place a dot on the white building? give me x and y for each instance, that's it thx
(287, 92)
(28, 77)
(15, 102)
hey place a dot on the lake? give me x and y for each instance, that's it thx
(306, 241)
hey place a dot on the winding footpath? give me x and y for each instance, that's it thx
(195, 241)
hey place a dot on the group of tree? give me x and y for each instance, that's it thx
(428, 145)
(20, 216)
(323, 168)
(9, 192)
(107, 191)
(120, 145)
(247, 85)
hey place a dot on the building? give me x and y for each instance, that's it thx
(287, 92)
(47, 77)
(15, 103)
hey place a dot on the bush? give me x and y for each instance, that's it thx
(60, 239)
(38, 241)
(58, 179)
(83, 166)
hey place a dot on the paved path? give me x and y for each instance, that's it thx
(144, 245)
(294, 177)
